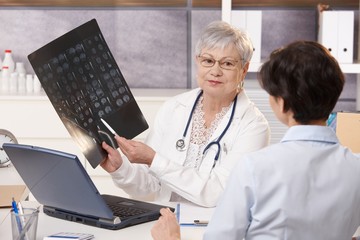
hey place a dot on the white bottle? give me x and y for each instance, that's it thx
(29, 83)
(8, 61)
(21, 83)
(37, 84)
(13, 82)
(0, 64)
(20, 68)
(5, 78)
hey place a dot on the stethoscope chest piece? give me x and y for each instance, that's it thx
(180, 145)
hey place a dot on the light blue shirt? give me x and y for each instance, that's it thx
(305, 187)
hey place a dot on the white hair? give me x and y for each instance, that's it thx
(220, 34)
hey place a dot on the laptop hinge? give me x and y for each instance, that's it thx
(115, 220)
(49, 208)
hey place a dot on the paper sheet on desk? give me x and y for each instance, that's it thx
(188, 213)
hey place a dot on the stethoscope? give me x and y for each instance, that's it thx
(180, 144)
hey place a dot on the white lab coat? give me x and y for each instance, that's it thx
(249, 131)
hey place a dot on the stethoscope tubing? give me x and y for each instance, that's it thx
(217, 142)
(180, 144)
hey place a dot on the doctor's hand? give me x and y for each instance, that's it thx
(135, 151)
(167, 227)
(113, 160)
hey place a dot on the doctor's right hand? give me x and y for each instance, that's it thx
(113, 160)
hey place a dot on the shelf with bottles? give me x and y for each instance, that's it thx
(14, 79)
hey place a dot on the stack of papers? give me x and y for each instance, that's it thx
(67, 235)
(193, 215)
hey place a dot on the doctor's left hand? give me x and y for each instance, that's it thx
(113, 160)
(135, 151)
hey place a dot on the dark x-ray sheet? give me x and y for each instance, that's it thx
(84, 84)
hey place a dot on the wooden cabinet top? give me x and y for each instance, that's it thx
(177, 3)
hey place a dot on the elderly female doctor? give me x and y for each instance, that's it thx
(198, 136)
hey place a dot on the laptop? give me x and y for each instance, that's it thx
(60, 183)
(84, 84)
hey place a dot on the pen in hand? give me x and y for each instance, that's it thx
(108, 126)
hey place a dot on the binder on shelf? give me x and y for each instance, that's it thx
(250, 21)
(336, 33)
(328, 32)
(345, 36)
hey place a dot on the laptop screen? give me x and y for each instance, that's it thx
(58, 180)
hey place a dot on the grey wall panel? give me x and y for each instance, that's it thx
(280, 27)
(150, 46)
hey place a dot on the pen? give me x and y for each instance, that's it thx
(13, 204)
(108, 126)
(21, 212)
(16, 211)
(201, 222)
(20, 208)
(178, 212)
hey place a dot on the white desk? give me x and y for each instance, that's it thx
(49, 225)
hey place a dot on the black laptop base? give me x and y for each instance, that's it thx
(95, 222)
(112, 224)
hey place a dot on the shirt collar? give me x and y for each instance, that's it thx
(310, 133)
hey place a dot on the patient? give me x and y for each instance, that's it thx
(306, 186)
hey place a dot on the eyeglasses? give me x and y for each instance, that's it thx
(224, 63)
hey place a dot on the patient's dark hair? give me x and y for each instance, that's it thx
(306, 76)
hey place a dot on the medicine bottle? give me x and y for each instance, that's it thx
(29, 85)
(5, 79)
(13, 82)
(21, 83)
(8, 61)
(20, 68)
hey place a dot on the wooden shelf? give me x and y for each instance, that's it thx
(176, 3)
(277, 3)
(94, 3)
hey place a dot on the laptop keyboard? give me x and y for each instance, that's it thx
(84, 83)
(126, 211)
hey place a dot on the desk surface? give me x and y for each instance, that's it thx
(49, 225)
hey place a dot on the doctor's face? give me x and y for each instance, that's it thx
(219, 71)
